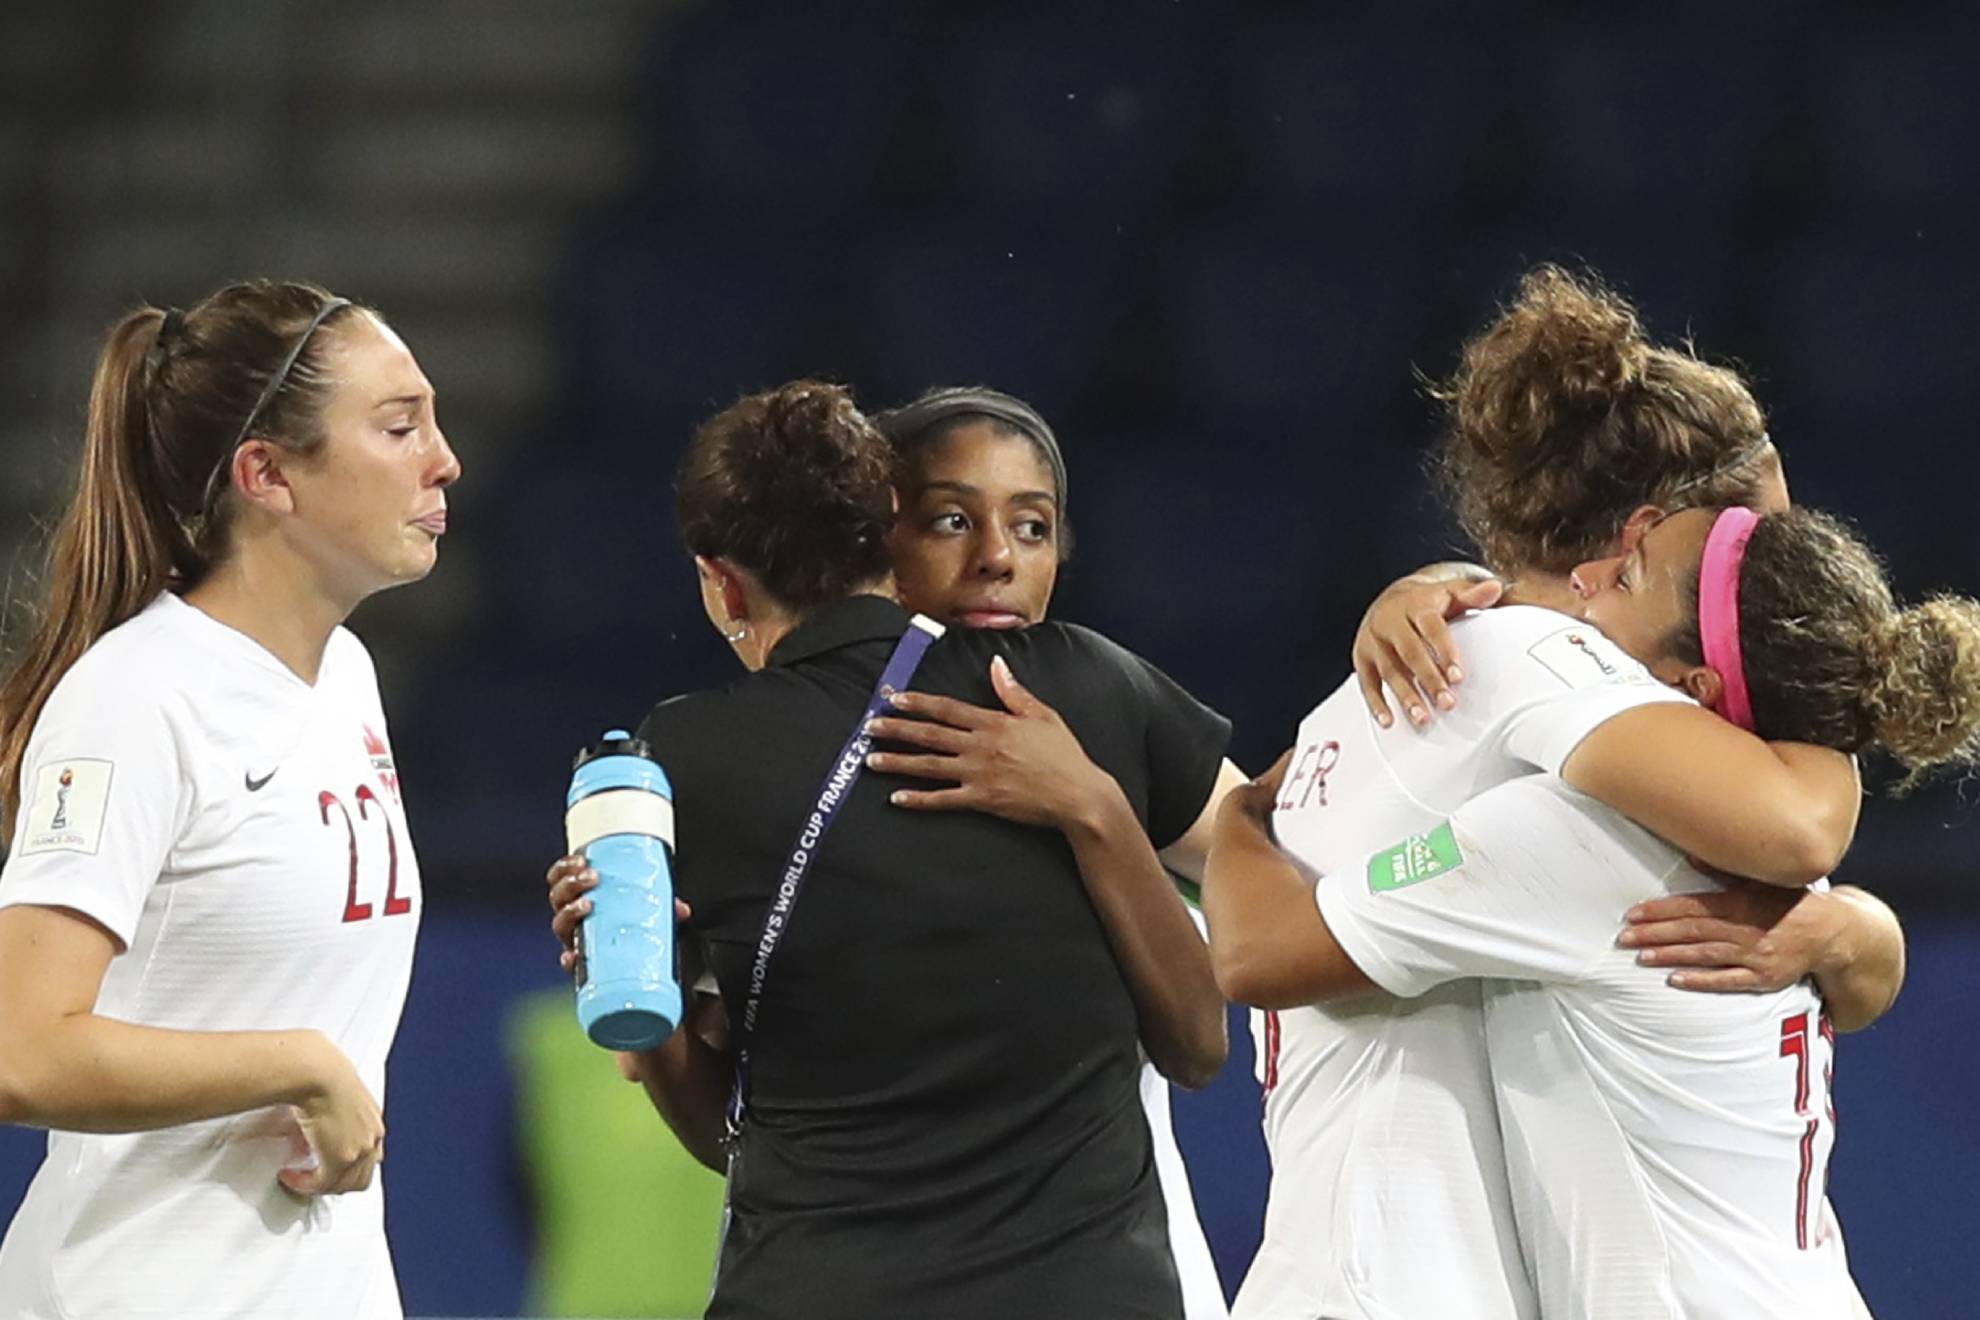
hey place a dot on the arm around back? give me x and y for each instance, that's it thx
(1269, 945)
(1025, 764)
(1180, 1012)
(1749, 938)
(1863, 967)
(1781, 813)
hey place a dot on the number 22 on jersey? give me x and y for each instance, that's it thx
(367, 801)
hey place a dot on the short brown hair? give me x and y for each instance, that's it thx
(795, 485)
(1832, 659)
(1563, 418)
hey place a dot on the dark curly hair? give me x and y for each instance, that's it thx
(1563, 418)
(795, 485)
(1832, 659)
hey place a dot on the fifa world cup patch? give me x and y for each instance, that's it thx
(1418, 858)
(1581, 657)
(66, 811)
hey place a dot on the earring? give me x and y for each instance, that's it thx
(742, 631)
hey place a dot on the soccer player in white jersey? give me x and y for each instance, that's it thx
(1666, 1152)
(1384, 1149)
(208, 909)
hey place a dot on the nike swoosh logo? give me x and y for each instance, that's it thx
(256, 785)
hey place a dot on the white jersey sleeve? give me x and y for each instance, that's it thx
(104, 796)
(1569, 681)
(1521, 882)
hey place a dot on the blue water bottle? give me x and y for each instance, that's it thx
(620, 815)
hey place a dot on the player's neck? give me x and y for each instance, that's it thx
(276, 604)
(1549, 591)
(770, 622)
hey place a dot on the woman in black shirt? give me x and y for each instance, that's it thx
(942, 1111)
(983, 529)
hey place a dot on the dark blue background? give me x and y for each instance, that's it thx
(1217, 244)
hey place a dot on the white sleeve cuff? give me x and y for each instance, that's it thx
(1338, 902)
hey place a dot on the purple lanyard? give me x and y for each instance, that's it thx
(839, 780)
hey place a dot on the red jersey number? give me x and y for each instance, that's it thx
(1795, 1044)
(395, 904)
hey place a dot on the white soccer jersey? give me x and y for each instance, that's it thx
(1196, 1269)
(1203, 1295)
(1668, 1151)
(1388, 1198)
(240, 832)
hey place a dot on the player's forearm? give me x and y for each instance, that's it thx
(1779, 813)
(1864, 971)
(1167, 967)
(1269, 945)
(688, 1081)
(1822, 790)
(1787, 824)
(84, 1073)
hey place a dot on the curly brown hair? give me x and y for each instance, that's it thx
(795, 485)
(1563, 418)
(1832, 659)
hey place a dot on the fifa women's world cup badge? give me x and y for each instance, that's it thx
(381, 762)
(66, 809)
(66, 782)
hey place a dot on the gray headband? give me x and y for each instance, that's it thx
(268, 393)
(1739, 459)
(903, 425)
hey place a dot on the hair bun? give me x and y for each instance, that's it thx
(794, 484)
(1922, 699)
(812, 457)
(1566, 349)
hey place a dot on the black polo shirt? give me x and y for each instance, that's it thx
(944, 1109)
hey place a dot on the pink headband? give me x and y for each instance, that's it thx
(1718, 610)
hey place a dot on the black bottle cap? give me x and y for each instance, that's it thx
(616, 742)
